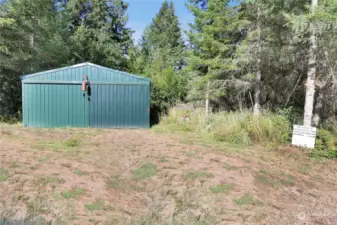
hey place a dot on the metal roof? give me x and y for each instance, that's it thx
(81, 65)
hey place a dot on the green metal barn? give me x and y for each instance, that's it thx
(85, 95)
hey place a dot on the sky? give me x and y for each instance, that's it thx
(141, 13)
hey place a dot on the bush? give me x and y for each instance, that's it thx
(11, 119)
(330, 125)
(326, 144)
(234, 127)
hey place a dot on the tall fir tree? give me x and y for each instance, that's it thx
(102, 36)
(160, 55)
(31, 40)
(213, 38)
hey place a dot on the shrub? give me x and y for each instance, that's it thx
(269, 127)
(11, 118)
(326, 144)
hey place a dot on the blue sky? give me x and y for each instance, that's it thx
(141, 13)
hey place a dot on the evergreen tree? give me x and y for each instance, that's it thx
(213, 38)
(315, 27)
(160, 55)
(31, 40)
(102, 36)
(252, 55)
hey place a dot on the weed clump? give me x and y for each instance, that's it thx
(326, 144)
(196, 175)
(145, 171)
(95, 206)
(4, 174)
(221, 188)
(72, 143)
(72, 193)
(274, 181)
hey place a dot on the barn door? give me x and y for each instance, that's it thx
(55, 105)
(78, 113)
(119, 106)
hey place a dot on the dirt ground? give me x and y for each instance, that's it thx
(87, 176)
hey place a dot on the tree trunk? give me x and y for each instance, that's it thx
(257, 91)
(31, 43)
(310, 87)
(207, 100)
(318, 109)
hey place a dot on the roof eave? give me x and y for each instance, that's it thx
(79, 65)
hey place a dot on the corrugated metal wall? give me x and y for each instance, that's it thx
(119, 106)
(115, 99)
(54, 105)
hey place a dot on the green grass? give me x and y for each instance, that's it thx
(43, 159)
(244, 200)
(114, 182)
(289, 181)
(190, 154)
(95, 206)
(74, 218)
(4, 174)
(81, 173)
(145, 171)
(196, 175)
(57, 145)
(228, 167)
(72, 143)
(274, 181)
(74, 193)
(44, 181)
(304, 170)
(221, 188)
(317, 178)
(33, 167)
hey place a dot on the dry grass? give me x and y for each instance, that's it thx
(86, 176)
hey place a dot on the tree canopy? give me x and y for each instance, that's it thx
(249, 55)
